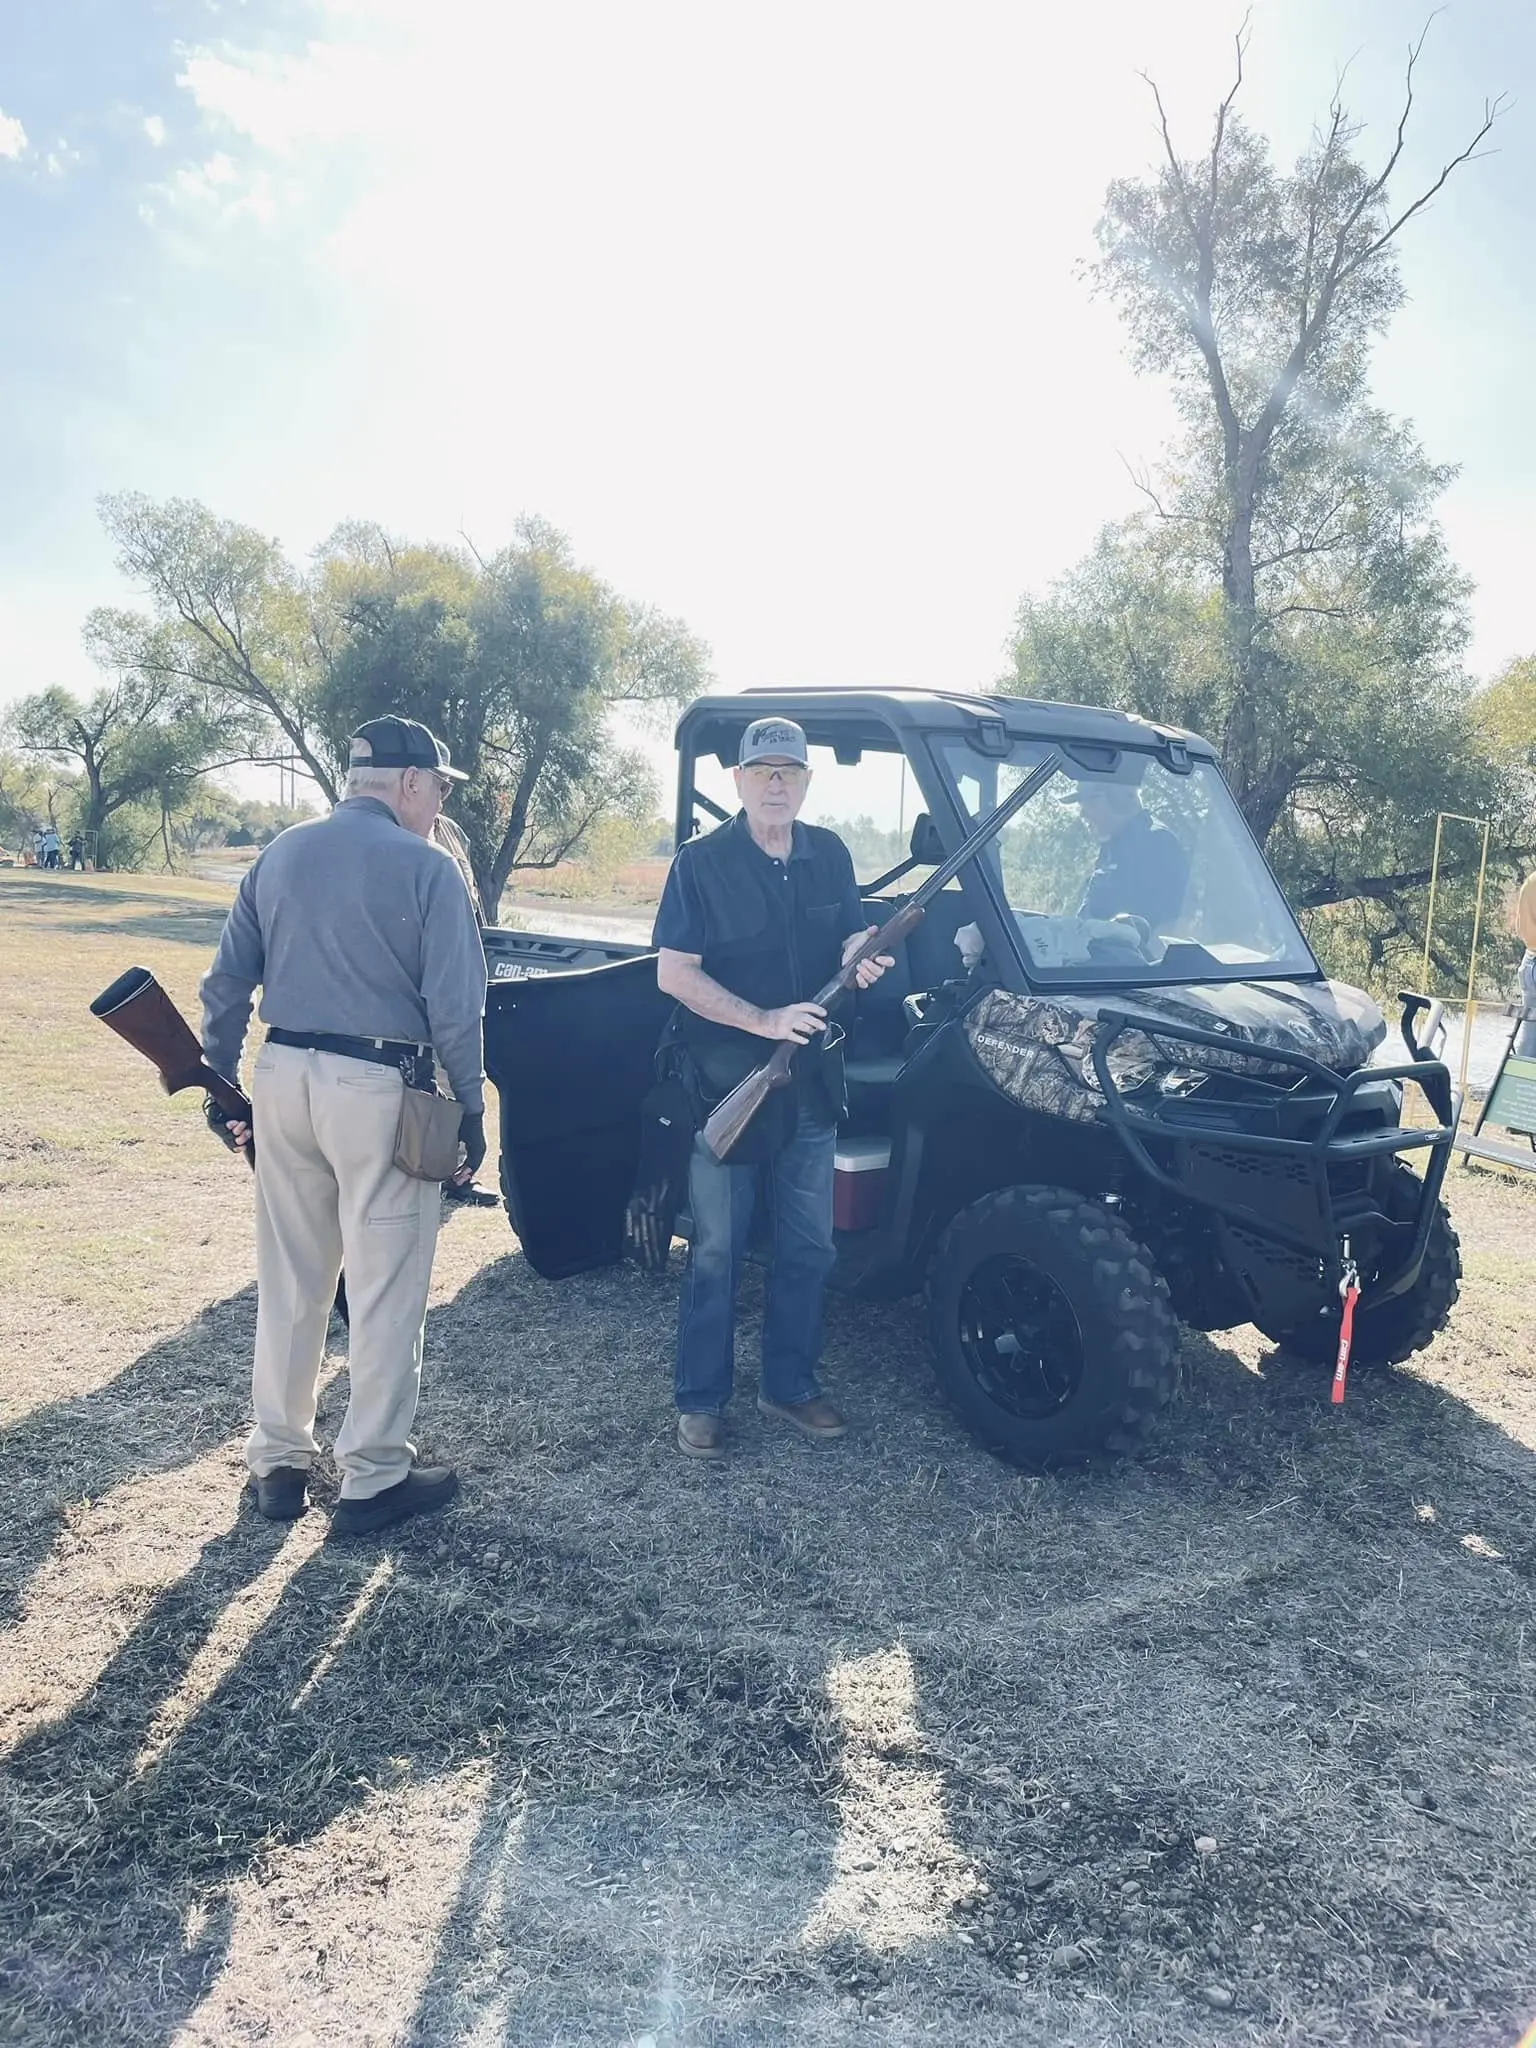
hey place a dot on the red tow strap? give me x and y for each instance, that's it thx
(1349, 1288)
(1346, 1338)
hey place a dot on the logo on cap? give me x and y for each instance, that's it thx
(772, 736)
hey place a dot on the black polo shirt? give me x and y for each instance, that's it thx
(771, 931)
(1143, 871)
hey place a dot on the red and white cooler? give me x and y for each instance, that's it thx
(859, 1168)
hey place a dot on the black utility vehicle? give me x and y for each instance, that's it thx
(1106, 1085)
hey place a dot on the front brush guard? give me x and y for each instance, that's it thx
(1134, 1126)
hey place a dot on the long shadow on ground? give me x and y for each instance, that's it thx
(180, 1398)
(1269, 1635)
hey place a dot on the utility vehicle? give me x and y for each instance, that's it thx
(1069, 1131)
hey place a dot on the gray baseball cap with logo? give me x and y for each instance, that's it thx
(772, 738)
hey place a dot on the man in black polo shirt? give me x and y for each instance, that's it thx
(756, 916)
(1143, 870)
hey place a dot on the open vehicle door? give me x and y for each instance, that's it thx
(571, 1056)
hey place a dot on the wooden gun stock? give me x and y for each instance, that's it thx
(729, 1118)
(138, 1009)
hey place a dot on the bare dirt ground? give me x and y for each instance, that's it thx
(879, 1742)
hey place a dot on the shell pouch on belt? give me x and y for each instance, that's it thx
(427, 1140)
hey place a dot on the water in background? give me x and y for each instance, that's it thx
(1489, 1036)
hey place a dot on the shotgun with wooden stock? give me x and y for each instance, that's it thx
(138, 1009)
(730, 1117)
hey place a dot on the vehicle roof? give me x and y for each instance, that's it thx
(716, 722)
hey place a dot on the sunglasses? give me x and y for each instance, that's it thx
(765, 771)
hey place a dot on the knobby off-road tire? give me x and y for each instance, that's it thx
(1053, 1335)
(1389, 1334)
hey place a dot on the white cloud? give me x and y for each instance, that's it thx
(13, 137)
(154, 128)
(222, 190)
(331, 93)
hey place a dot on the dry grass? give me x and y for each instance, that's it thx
(869, 1743)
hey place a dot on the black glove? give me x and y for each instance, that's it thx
(218, 1123)
(472, 1138)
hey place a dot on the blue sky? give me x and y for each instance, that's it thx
(778, 313)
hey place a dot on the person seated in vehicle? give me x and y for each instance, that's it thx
(756, 917)
(1143, 870)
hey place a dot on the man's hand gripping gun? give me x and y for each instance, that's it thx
(730, 1118)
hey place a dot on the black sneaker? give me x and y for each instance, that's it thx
(423, 1488)
(280, 1494)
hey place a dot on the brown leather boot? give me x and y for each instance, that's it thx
(701, 1436)
(816, 1418)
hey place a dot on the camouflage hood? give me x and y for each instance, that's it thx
(1037, 1048)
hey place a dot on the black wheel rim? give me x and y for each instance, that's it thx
(1020, 1338)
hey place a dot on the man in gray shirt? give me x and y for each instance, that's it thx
(365, 944)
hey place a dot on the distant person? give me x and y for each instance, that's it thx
(39, 848)
(51, 847)
(76, 853)
(1143, 870)
(1525, 924)
(367, 950)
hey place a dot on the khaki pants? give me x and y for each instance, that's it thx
(328, 1192)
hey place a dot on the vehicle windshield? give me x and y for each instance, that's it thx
(1120, 870)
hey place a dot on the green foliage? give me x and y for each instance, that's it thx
(138, 745)
(1506, 713)
(230, 625)
(33, 793)
(875, 847)
(518, 662)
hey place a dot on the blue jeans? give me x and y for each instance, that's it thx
(797, 1183)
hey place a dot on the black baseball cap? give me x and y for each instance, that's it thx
(396, 742)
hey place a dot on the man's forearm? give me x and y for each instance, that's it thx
(226, 1020)
(699, 992)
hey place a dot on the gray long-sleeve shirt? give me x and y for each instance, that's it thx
(351, 924)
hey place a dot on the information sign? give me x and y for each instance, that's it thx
(1512, 1101)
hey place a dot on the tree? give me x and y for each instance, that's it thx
(519, 662)
(32, 794)
(1286, 588)
(1259, 295)
(136, 742)
(229, 621)
(1506, 714)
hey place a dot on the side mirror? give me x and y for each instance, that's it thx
(925, 845)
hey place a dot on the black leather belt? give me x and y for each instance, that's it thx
(414, 1062)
